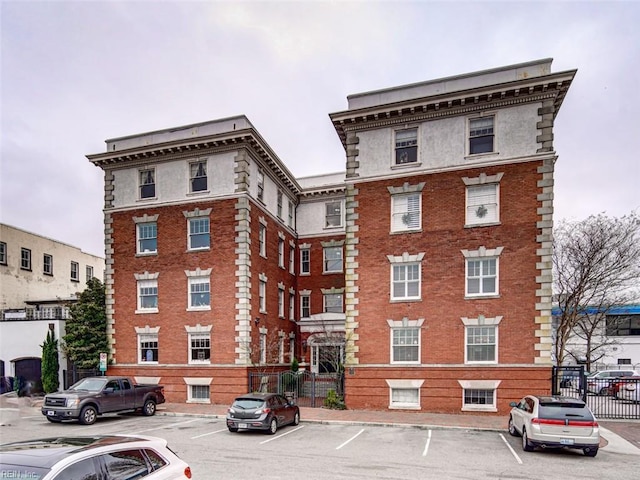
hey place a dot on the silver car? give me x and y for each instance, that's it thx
(554, 422)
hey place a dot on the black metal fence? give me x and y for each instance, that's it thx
(305, 388)
(607, 397)
(74, 375)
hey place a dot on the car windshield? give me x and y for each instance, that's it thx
(89, 384)
(562, 411)
(248, 403)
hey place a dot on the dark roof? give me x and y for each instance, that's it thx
(46, 452)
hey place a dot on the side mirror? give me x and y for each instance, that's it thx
(108, 390)
(513, 404)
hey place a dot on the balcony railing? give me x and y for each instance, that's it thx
(35, 313)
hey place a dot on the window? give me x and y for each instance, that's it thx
(75, 272)
(624, 361)
(25, 259)
(480, 135)
(292, 301)
(262, 240)
(281, 252)
(281, 302)
(262, 294)
(148, 295)
(332, 259)
(148, 347)
(199, 293)
(88, 272)
(305, 261)
(260, 185)
(281, 348)
(477, 396)
(406, 146)
(198, 176)
(84, 469)
(333, 302)
(199, 348)
(263, 346)
(482, 204)
(406, 212)
(3, 253)
(147, 237)
(405, 345)
(292, 259)
(305, 306)
(333, 214)
(199, 393)
(405, 281)
(291, 212)
(147, 183)
(481, 344)
(47, 264)
(404, 393)
(622, 325)
(199, 235)
(279, 204)
(125, 464)
(482, 277)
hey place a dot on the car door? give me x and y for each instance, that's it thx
(111, 397)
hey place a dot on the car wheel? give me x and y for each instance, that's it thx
(590, 451)
(526, 445)
(149, 408)
(273, 426)
(233, 430)
(88, 416)
(296, 418)
(54, 420)
(512, 428)
(604, 391)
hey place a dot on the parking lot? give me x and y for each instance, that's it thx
(320, 451)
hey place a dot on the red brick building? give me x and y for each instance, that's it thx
(425, 268)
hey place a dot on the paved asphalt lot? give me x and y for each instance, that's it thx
(337, 449)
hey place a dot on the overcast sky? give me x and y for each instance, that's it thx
(77, 73)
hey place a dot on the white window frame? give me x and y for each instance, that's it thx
(262, 293)
(281, 347)
(486, 132)
(292, 259)
(194, 283)
(279, 201)
(25, 259)
(280, 301)
(147, 284)
(328, 262)
(262, 240)
(305, 304)
(292, 306)
(486, 337)
(199, 336)
(481, 322)
(404, 394)
(75, 271)
(291, 214)
(398, 342)
(197, 223)
(406, 216)
(88, 272)
(305, 260)
(332, 301)
(260, 184)
(263, 345)
(47, 264)
(146, 228)
(195, 174)
(144, 182)
(281, 252)
(3, 253)
(200, 383)
(406, 140)
(482, 255)
(333, 219)
(479, 385)
(403, 262)
(482, 199)
(149, 337)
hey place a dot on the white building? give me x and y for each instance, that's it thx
(38, 278)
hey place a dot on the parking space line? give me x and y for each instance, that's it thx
(116, 424)
(209, 433)
(282, 435)
(167, 426)
(510, 448)
(352, 438)
(426, 447)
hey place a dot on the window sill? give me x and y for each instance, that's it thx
(333, 272)
(404, 407)
(47, 274)
(147, 363)
(146, 310)
(399, 166)
(147, 199)
(333, 227)
(199, 309)
(76, 280)
(488, 296)
(401, 232)
(196, 362)
(304, 274)
(202, 249)
(480, 155)
(403, 300)
(479, 408)
(199, 192)
(206, 402)
(488, 224)
(481, 363)
(146, 254)
(408, 364)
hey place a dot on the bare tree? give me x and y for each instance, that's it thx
(596, 264)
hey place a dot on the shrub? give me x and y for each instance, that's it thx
(334, 401)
